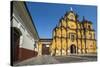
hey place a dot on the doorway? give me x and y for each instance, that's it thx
(72, 49)
(15, 40)
(45, 49)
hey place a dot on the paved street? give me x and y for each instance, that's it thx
(46, 59)
(69, 59)
(39, 60)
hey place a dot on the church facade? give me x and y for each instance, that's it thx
(71, 36)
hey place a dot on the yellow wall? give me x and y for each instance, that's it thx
(63, 37)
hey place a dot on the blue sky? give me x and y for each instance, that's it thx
(46, 15)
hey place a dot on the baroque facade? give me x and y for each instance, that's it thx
(71, 36)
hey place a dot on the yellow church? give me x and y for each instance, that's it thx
(70, 37)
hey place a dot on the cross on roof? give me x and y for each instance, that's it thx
(71, 8)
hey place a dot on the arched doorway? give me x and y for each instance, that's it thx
(72, 49)
(15, 40)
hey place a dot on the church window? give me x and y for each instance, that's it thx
(89, 26)
(72, 37)
(90, 35)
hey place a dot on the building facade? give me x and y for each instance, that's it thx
(71, 36)
(43, 46)
(24, 36)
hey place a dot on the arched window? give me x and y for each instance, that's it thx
(72, 37)
(89, 26)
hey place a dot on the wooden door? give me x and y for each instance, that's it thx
(45, 50)
(15, 38)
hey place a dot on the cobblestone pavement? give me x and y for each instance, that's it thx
(47, 59)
